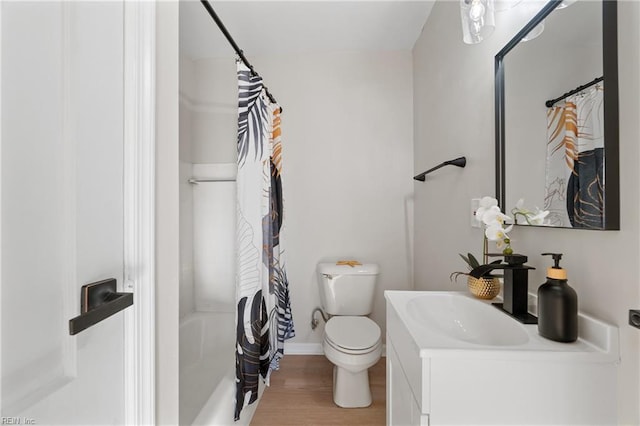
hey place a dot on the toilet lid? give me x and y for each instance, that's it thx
(352, 332)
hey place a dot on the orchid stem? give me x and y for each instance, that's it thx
(485, 250)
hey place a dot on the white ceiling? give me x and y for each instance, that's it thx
(294, 27)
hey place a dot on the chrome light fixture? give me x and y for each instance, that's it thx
(535, 32)
(478, 20)
(502, 5)
(565, 3)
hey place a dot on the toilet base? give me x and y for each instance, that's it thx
(351, 390)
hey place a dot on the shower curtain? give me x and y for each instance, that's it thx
(263, 316)
(574, 189)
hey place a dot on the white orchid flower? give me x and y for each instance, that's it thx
(493, 215)
(495, 222)
(538, 218)
(496, 232)
(486, 203)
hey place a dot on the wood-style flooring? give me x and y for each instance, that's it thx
(301, 394)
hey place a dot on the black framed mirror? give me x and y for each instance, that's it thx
(556, 116)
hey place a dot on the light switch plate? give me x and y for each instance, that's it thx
(475, 204)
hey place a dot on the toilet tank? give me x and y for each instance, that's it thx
(346, 290)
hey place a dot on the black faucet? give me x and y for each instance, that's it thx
(515, 287)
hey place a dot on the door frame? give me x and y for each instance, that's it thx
(139, 210)
(0, 204)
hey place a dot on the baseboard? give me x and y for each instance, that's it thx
(303, 348)
(312, 349)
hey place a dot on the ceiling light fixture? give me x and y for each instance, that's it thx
(478, 20)
(535, 32)
(502, 5)
(565, 3)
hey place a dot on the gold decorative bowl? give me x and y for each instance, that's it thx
(484, 287)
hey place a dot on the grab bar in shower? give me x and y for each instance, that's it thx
(195, 181)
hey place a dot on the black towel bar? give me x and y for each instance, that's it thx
(460, 162)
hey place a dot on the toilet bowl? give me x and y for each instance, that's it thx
(353, 344)
(352, 341)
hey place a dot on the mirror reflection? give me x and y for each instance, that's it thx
(554, 121)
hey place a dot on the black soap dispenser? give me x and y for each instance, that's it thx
(557, 305)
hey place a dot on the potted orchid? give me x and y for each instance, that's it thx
(495, 221)
(497, 228)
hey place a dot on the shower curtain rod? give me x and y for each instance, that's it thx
(578, 89)
(233, 43)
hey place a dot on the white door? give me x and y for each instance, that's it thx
(61, 209)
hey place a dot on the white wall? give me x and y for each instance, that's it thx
(209, 98)
(347, 139)
(453, 110)
(215, 106)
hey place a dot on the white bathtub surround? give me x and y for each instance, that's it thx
(207, 370)
(215, 171)
(216, 410)
(187, 288)
(207, 338)
(214, 232)
(441, 354)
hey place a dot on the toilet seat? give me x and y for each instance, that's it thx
(352, 334)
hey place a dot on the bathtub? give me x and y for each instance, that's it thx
(207, 371)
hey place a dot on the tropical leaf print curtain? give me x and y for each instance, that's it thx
(574, 189)
(263, 315)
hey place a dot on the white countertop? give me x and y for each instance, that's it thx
(598, 342)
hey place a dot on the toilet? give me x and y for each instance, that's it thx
(352, 341)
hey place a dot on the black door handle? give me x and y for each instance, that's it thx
(99, 301)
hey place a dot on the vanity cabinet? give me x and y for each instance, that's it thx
(402, 408)
(407, 378)
(537, 382)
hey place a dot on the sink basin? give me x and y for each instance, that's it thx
(450, 324)
(447, 347)
(459, 317)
